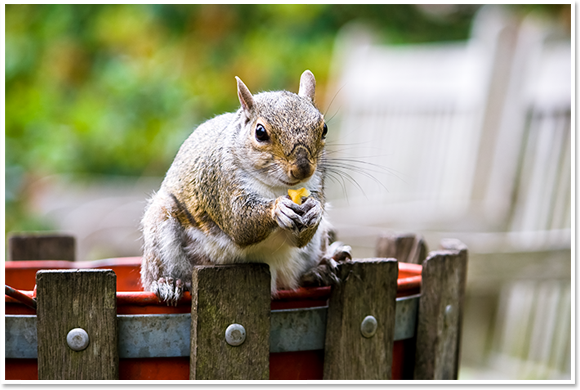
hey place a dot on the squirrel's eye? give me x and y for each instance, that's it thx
(324, 131)
(261, 134)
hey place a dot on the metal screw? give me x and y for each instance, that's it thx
(235, 335)
(77, 339)
(448, 314)
(368, 327)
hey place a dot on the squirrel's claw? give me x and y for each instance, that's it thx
(168, 290)
(339, 252)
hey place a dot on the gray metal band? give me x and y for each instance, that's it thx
(20, 337)
(168, 335)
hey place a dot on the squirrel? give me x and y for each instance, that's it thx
(224, 198)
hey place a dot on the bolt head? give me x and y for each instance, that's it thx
(235, 335)
(77, 339)
(368, 327)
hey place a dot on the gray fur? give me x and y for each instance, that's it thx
(224, 198)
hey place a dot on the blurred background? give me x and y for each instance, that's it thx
(449, 121)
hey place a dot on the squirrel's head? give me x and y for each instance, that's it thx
(283, 133)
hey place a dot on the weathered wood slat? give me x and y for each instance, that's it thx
(32, 246)
(440, 312)
(223, 295)
(69, 299)
(406, 248)
(368, 288)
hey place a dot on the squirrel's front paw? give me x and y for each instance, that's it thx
(287, 214)
(292, 216)
(312, 212)
(168, 290)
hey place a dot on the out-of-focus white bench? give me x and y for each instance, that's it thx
(469, 140)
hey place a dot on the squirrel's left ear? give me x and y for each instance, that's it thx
(307, 85)
(245, 96)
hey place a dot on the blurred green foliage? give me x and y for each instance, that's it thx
(115, 89)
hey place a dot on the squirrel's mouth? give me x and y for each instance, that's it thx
(290, 184)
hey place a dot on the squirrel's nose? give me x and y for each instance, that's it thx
(302, 169)
(301, 172)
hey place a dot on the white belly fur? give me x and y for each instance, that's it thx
(287, 262)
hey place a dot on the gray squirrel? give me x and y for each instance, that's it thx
(224, 199)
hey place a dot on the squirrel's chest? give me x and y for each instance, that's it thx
(221, 249)
(279, 242)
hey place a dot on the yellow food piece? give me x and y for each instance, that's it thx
(296, 195)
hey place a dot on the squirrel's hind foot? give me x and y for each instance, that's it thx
(325, 273)
(339, 252)
(169, 290)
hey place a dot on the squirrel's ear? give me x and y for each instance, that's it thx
(307, 85)
(245, 96)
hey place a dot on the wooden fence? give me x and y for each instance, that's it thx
(233, 331)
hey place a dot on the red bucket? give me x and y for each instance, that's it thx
(302, 365)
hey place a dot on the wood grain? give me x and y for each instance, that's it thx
(69, 299)
(41, 247)
(223, 295)
(406, 248)
(440, 313)
(368, 287)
